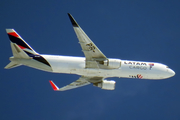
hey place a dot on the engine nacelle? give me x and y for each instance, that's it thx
(113, 63)
(107, 85)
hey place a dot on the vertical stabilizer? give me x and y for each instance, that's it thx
(20, 49)
(23, 54)
(17, 40)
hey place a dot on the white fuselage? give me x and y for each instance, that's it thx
(76, 65)
(127, 69)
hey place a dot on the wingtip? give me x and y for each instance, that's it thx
(73, 21)
(55, 88)
(69, 14)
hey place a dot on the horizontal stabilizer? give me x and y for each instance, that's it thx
(12, 65)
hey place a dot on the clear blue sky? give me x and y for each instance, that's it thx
(147, 30)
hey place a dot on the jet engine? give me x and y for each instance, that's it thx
(105, 84)
(112, 63)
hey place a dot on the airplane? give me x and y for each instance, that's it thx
(94, 68)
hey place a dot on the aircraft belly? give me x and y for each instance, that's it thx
(99, 72)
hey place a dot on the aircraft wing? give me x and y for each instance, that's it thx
(82, 81)
(91, 51)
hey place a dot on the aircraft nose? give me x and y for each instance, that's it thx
(171, 72)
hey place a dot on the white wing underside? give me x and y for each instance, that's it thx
(91, 51)
(82, 81)
(93, 57)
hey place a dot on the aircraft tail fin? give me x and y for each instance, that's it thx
(20, 48)
(19, 45)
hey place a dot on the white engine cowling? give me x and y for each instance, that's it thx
(107, 85)
(113, 63)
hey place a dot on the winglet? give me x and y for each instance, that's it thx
(73, 21)
(55, 88)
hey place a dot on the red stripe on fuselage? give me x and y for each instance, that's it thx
(13, 34)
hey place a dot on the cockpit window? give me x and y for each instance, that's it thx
(167, 67)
